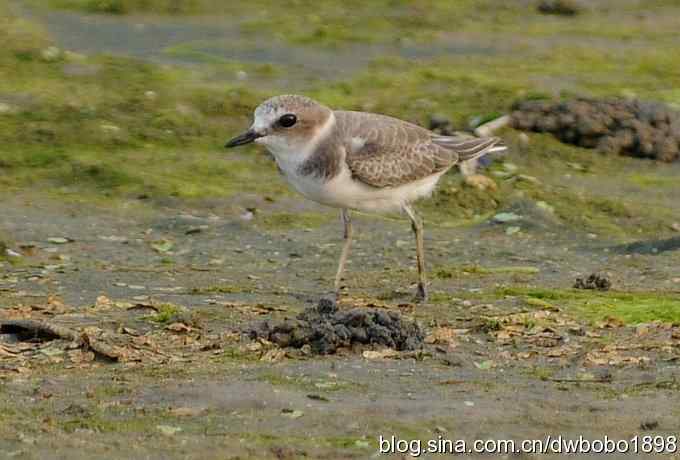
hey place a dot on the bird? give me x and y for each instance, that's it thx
(359, 161)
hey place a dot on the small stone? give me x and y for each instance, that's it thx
(530, 179)
(512, 230)
(675, 226)
(167, 430)
(504, 217)
(136, 287)
(151, 95)
(109, 128)
(59, 240)
(523, 140)
(241, 75)
(51, 53)
(5, 108)
(481, 182)
(11, 253)
(469, 403)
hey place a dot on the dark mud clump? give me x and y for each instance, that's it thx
(326, 329)
(559, 7)
(619, 126)
(596, 281)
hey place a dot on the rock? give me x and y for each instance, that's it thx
(512, 230)
(481, 182)
(151, 95)
(675, 226)
(505, 217)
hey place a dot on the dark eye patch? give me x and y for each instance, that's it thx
(287, 120)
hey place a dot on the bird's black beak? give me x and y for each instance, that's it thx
(243, 139)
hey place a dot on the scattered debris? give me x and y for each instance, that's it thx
(597, 281)
(326, 329)
(617, 126)
(30, 330)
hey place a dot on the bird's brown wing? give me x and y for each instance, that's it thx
(386, 152)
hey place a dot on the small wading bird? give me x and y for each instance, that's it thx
(358, 161)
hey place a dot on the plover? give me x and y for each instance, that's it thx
(358, 161)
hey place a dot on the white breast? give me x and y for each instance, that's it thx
(345, 192)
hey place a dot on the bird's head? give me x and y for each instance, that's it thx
(285, 124)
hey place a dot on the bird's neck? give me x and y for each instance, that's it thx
(307, 156)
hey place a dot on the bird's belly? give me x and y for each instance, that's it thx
(343, 191)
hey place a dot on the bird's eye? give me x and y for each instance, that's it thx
(287, 120)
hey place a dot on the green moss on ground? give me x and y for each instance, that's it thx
(629, 307)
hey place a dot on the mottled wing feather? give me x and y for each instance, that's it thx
(386, 152)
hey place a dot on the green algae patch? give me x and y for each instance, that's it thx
(288, 220)
(594, 306)
(447, 272)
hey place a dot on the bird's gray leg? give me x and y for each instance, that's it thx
(417, 227)
(347, 221)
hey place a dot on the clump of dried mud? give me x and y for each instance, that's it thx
(597, 281)
(619, 126)
(326, 329)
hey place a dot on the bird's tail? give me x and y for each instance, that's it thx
(470, 148)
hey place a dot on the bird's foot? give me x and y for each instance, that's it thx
(421, 293)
